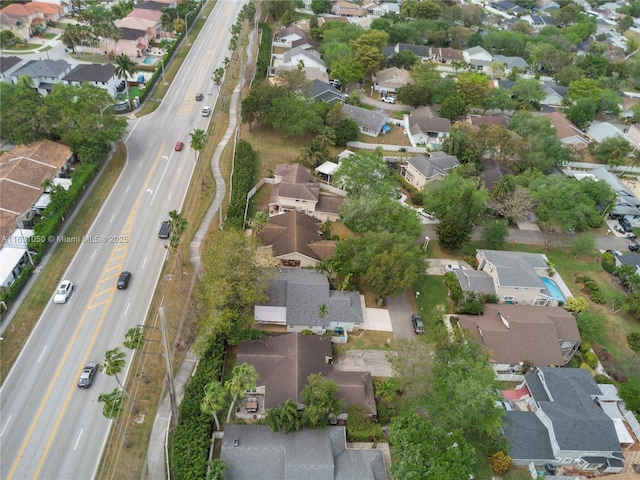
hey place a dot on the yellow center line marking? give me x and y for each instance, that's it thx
(126, 232)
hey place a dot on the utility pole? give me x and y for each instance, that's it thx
(167, 359)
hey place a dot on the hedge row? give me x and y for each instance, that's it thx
(244, 174)
(592, 288)
(264, 53)
(191, 439)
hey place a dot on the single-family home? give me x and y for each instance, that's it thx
(631, 259)
(296, 240)
(369, 122)
(426, 127)
(154, 5)
(512, 62)
(310, 73)
(508, 7)
(347, 9)
(284, 363)
(599, 131)
(566, 131)
(295, 297)
(7, 66)
(102, 76)
(22, 173)
(628, 107)
(633, 134)
(421, 51)
(295, 188)
(299, 56)
(517, 335)
(134, 42)
(477, 120)
(255, 451)
(23, 20)
(478, 58)
(626, 203)
(520, 277)
(554, 94)
(294, 36)
(44, 73)
(390, 80)
(446, 55)
(564, 423)
(324, 92)
(423, 169)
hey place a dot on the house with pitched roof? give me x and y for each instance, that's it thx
(101, 76)
(421, 51)
(300, 56)
(295, 188)
(7, 66)
(295, 296)
(24, 19)
(426, 127)
(254, 451)
(517, 276)
(554, 94)
(390, 80)
(446, 55)
(284, 363)
(44, 74)
(524, 334)
(564, 423)
(22, 173)
(296, 240)
(566, 131)
(294, 36)
(369, 122)
(324, 92)
(347, 9)
(600, 131)
(423, 169)
(478, 58)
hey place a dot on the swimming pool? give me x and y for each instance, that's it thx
(148, 60)
(554, 290)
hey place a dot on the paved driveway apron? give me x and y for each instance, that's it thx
(372, 361)
(400, 311)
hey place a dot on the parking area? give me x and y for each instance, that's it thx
(377, 319)
(372, 361)
(438, 266)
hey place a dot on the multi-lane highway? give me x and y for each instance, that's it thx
(49, 428)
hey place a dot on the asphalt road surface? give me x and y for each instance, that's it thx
(50, 429)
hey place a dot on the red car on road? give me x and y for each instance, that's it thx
(179, 146)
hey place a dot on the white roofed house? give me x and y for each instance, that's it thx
(478, 58)
(299, 56)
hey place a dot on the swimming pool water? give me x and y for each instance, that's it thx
(148, 60)
(554, 290)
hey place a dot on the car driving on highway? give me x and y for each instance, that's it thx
(87, 375)
(63, 292)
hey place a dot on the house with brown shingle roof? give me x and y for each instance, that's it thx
(517, 334)
(296, 240)
(295, 188)
(347, 9)
(427, 127)
(566, 131)
(390, 80)
(447, 55)
(284, 362)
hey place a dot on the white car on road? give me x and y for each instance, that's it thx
(63, 292)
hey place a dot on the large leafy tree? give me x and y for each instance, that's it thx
(613, 151)
(232, 283)
(388, 263)
(295, 114)
(473, 87)
(347, 68)
(366, 213)
(320, 397)
(422, 450)
(462, 376)
(365, 173)
(411, 364)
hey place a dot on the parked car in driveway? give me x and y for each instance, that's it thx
(418, 324)
(389, 99)
(453, 267)
(625, 224)
(634, 247)
(63, 292)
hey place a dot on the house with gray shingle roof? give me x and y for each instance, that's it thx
(477, 57)
(295, 296)
(517, 334)
(369, 122)
(422, 169)
(102, 76)
(600, 131)
(564, 424)
(476, 281)
(626, 204)
(517, 276)
(296, 240)
(44, 73)
(8, 65)
(300, 56)
(631, 259)
(284, 363)
(428, 128)
(256, 452)
(324, 92)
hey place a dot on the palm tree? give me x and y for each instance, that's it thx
(290, 418)
(125, 68)
(323, 310)
(274, 419)
(113, 364)
(134, 339)
(112, 408)
(243, 378)
(384, 390)
(214, 399)
(178, 226)
(198, 137)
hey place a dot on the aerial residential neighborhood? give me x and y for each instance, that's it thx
(320, 239)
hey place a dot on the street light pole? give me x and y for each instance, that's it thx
(186, 22)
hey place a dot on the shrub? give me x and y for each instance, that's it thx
(591, 359)
(500, 462)
(633, 339)
(264, 53)
(244, 174)
(361, 427)
(585, 346)
(451, 282)
(601, 378)
(491, 298)
(608, 262)
(630, 392)
(592, 289)
(576, 304)
(471, 303)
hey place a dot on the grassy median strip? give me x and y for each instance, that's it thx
(50, 275)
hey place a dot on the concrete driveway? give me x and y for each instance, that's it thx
(400, 310)
(372, 361)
